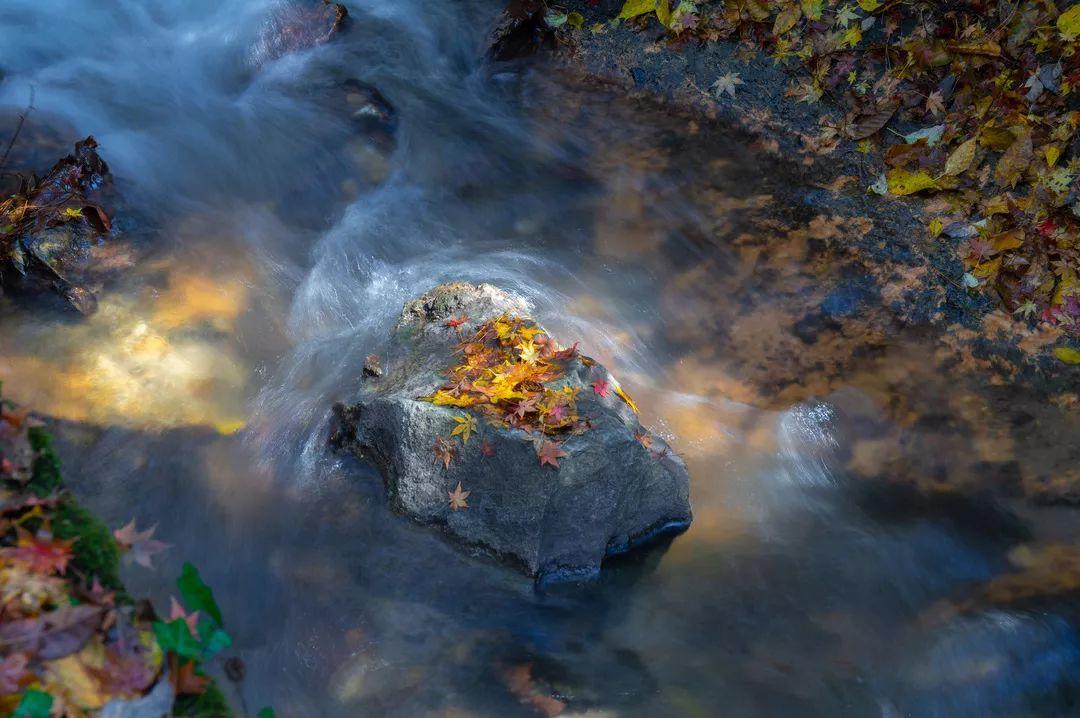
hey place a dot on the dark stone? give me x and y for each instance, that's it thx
(609, 494)
(520, 31)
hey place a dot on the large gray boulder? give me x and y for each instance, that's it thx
(615, 485)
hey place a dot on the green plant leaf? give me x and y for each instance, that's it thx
(175, 636)
(34, 704)
(267, 712)
(197, 595)
(214, 640)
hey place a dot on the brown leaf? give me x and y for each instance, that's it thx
(1014, 161)
(872, 123)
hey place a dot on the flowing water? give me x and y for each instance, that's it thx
(264, 248)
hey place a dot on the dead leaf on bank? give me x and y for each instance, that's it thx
(1014, 161)
(872, 123)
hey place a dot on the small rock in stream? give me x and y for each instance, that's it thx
(295, 26)
(615, 485)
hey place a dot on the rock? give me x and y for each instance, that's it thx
(373, 366)
(520, 31)
(48, 228)
(370, 112)
(295, 26)
(616, 486)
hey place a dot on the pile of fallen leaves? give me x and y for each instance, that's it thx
(513, 375)
(71, 640)
(48, 224)
(509, 374)
(971, 102)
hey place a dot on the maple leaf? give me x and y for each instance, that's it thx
(41, 553)
(139, 546)
(980, 249)
(644, 439)
(935, 103)
(458, 498)
(455, 322)
(565, 354)
(558, 412)
(550, 452)
(528, 353)
(524, 407)
(444, 452)
(846, 15)
(466, 425)
(487, 448)
(185, 680)
(602, 388)
(176, 611)
(1028, 309)
(726, 83)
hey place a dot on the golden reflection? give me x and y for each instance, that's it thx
(149, 359)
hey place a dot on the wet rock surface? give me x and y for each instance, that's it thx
(51, 225)
(614, 485)
(297, 26)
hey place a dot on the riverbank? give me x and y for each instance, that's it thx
(837, 286)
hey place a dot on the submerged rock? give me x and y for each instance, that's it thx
(553, 476)
(295, 26)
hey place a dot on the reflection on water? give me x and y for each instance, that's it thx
(265, 265)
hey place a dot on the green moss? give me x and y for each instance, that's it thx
(96, 552)
(46, 478)
(209, 704)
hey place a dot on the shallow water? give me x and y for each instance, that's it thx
(268, 249)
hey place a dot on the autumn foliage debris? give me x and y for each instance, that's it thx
(71, 640)
(971, 104)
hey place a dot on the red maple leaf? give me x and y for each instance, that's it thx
(41, 553)
(487, 448)
(568, 353)
(456, 322)
(602, 387)
(558, 412)
(550, 453)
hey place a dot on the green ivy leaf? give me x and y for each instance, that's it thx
(197, 595)
(214, 640)
(175, 636)
(34, 704)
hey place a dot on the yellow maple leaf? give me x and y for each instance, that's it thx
(528, 353)
(466, 425)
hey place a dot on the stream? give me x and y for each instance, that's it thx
(266, 248)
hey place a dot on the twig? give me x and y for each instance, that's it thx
(18, 128)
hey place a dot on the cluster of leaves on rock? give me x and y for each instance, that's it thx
(512, 374)
(973, 102)
(48, 223)
(71, 640)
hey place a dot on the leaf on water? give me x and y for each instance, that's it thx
(174, 637)
(139, 546)
(726, 83)
(960, 159)
(197, 595)
(902, 182)
(1069, 355)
